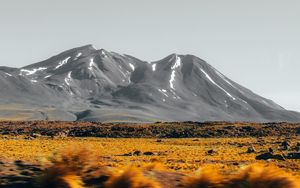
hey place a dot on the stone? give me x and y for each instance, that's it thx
(148, 153)
(267, 156)
(251, 149)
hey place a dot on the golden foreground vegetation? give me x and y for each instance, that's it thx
(142, 162)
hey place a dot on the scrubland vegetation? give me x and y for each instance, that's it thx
(32, 157)
(137, 162)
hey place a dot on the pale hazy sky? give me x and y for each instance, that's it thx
(254, 42)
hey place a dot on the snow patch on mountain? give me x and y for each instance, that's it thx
(77, 56)
(103, 54)
(177, 63)
(173, 74)
(163, 91)
(68, 78)
(91, 64)
(154, 67)
(132, 66)
(212, 81)
(30, 72)
(63, 62)
(7, 74)
(224, 78)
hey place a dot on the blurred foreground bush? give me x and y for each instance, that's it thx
(77, 169)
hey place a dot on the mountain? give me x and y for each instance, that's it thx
(96, 85)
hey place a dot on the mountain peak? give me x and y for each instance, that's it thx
(117, 87)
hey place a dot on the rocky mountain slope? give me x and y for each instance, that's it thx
(96, 85)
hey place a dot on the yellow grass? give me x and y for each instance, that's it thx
(184, 155)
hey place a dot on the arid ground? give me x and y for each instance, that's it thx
(166, 152)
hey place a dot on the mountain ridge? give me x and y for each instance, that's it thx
(88, 84)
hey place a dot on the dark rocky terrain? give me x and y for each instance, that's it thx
(87, 84)
(156, 130)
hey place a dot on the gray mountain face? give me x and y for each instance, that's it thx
(96, 85)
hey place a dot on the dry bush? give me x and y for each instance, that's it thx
(72, 161)
(65, 170)
(131, 178)
(74, 168)
(54, 179)
(259, 176)
(73, 181)
(208, 177)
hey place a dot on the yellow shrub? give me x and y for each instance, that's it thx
(208, 177)
(131, 178)
(259, 176)
(54, 179)
(71, 161)
(65, 170)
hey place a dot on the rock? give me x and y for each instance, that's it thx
(28, 138)
(137, 153)
(251, 149)
(271, 150)
(264, 156)
(294, 155)
(35, 169)
(285, 145)
(19, 164)
(27, 173)
(267, 156)
(210, 152)
(35, 135)
(148, 153)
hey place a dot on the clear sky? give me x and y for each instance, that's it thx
(254, 42)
